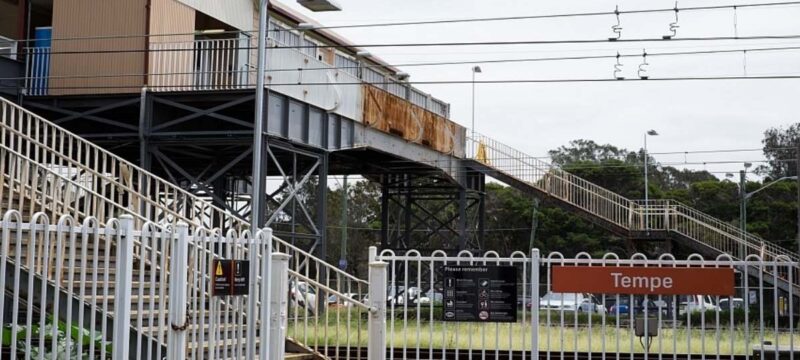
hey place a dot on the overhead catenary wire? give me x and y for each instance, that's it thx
(450, 21)
(439, 63)
(554, 16)
(461, 43)
(456, 82)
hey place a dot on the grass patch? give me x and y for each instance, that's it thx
(339, 328)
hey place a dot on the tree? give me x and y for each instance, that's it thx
(781, 149)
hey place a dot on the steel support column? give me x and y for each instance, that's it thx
(430, 212)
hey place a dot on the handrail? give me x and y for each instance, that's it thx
(606, 204)
(24, 129)
(330, 290)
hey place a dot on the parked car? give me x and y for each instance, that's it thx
(589, 304)
(655, 306)
(399, 296)
(561, 301)
(696, 303)
(620, 308)
(335, 301)
(430, 295)
(524, 301)
(301, 295)
(728, 305)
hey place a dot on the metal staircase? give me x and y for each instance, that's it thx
(50, 173)
(620, 215)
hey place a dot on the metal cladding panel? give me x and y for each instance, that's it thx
(169, 65)
(316, 127)
(315, 82)
(391, 114)
(296, 121)
(88, 18)
(236, 13)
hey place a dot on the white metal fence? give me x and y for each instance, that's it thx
(226, 63)
(758, 318)
(77, 290)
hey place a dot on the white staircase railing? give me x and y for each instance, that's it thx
(117, 186)
(630, 215)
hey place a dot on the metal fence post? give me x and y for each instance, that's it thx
(266, 293)
(280, 305)
(254, 254)
(372, 255)
(535, 262)
(376, 327)
(122, 291)
(179, 262)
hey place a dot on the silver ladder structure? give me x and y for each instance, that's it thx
(48, 172)
(618, 214)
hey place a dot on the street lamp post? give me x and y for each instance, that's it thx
(744, 196)
(646, 190)
(475, 70)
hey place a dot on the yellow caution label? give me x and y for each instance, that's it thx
(481, 155)
(219, 269)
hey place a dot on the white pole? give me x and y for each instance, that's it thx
(646, 203)
(280, 302)
(122, 293)
(266, 292)
(535, 259)
(473, 104)
(179, 265)
(376, 327)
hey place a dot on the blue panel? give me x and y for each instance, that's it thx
(40, 61)
(43, 36)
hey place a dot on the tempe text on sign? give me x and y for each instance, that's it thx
(643, 281)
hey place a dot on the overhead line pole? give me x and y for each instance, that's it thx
(260, 146)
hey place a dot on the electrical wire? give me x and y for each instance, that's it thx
(450, 21)
(451, 82)
(553, 16)
(519, 60)
(456, 43)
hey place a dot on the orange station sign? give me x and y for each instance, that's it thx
(643, 281)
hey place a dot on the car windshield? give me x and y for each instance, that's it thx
(559, 297)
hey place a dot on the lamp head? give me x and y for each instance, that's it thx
(477, 69)
(304, 26)
(652, 132)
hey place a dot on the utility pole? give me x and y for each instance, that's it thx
(343, 224)
(797, 174)
(260, 146)
(742, 211)
(534, 222)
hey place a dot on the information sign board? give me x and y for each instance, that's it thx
(485, 293)
(231, 277)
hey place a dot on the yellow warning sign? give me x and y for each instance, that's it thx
(219, 269)
(481, 155)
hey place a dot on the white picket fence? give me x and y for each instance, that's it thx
(74, 290)
(552, 325)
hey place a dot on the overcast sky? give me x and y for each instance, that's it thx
(689, 115)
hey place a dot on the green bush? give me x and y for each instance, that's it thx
(739, 316)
